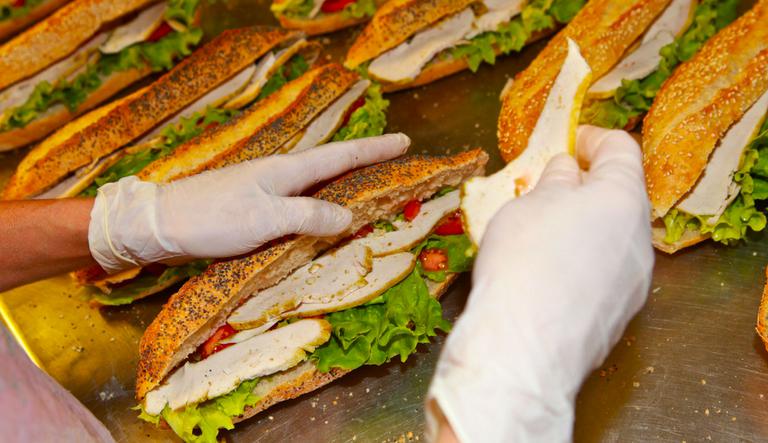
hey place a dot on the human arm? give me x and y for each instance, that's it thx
(559, 274)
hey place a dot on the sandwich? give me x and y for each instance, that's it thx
(705, 140)
(409, 43)
(621, 97)
(316, 17)
(327, 103)
(83, 54)
(254, 331)
(16, 15)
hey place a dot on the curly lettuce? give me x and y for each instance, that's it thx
(742, 215)
(537, 15)
(201, 423)
(158, 56)
(10, 12)
(360, 9)
(292, 8)
(367, 121)
(634, 97)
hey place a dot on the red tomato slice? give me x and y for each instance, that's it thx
(335, 5)
(212, 346)
(160, 32)
(433, 259)
(412, 209)
(364, 231)
(18, 3)
(355, 106)
(451, 225)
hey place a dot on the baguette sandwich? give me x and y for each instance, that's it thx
(705, 140)
(409, 43)
(621, 97)
(83, 54)
(16, 15)
(316, 17)
(324, 104)
(254, 331)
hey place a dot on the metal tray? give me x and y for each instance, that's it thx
(691, 367)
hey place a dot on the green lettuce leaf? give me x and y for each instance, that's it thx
(292, 70)
(375, 333)
(158, 56)
(201, 423)
(182, 11)
(292, 8)
(360, 9)
(367, 121)
(10, 12)
(634, 97)
(139, 286)
(742, 215)
(537, 15)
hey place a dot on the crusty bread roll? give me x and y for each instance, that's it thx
(8, 28)
(689, 238)
(395, 22)
(99, 133)
(58, 36)
(604, 31)
(762, 315)
(261, 130)
(204, 302)
(702, 99)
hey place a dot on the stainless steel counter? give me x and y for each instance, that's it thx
(690, 369)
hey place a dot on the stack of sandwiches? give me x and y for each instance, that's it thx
(284, 321)
(255, 94)
(413, 42)
(83, 54)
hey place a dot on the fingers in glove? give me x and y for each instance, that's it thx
(293, 173)
(561, 171)
(611, 155)
(311, 216)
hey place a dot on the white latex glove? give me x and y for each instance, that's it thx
(559, 274)
(226, 212)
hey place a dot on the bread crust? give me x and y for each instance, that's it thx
(204, 302)
(762, 315)
(395, 22)
(305, 378)
(10, 27)
(689, 238)
(59, 35)
(699, 103)
(202, 71)
(604, 31)
(59, 115)
(260, 130)
(323, 23)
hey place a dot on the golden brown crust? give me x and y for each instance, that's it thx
(8, 28)
(204, 302)
(443, 67)
(323, 23)
(59, 35)
(762, 315)
(604, 31)
(699, 102)
(259, 131)
(689, 238)
(395, 22)
(206, 68)
(59, 115)
(305, 378)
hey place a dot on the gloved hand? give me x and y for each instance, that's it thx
(559, 274)
(226, 212)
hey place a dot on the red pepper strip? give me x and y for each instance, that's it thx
(18, 3)
(160, 32)
(212, 346)
(364, 231)
(433, 259)
(451, 225)
(335, 5)
(411, 210)
(355, 106)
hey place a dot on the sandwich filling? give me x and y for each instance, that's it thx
(311, 9)
(627, 92)
(723, 202)
(154, 40)
(477, 34)
(14, 9)
(364, 303)
(361, 112)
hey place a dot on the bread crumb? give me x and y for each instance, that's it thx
(649, 370)
(706, 412)
(703, 382)
(636, 384)
(656, 290)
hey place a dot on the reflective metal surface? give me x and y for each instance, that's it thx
(690, 369)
